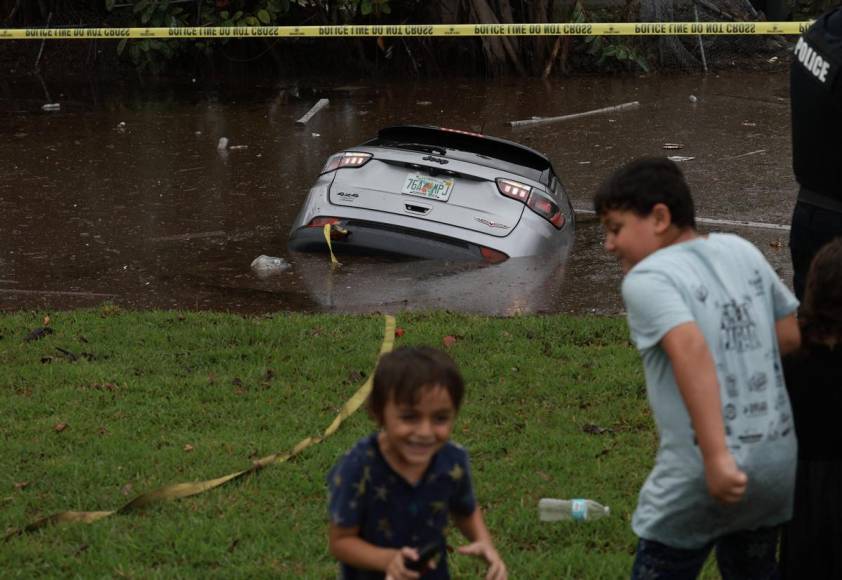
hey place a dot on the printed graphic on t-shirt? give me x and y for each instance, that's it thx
(737, 329)
(756, 409)
(757, 382)
(731, 386)
(701, 293)
(756, 282)
(729, 412)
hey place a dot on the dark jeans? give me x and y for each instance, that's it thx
(741, 556)
(812, 228)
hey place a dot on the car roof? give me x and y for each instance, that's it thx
(466, 141)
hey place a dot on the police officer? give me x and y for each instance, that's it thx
(816, 97)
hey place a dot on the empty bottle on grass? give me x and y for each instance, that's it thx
(553, 510)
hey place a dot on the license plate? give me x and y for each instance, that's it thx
(429, 187)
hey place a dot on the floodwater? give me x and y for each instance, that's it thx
(121, 196)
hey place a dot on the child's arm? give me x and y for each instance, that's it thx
(789, 334)
(695, 374)
(473, 527)
(347, 546)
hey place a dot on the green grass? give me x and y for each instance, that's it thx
(146, 385)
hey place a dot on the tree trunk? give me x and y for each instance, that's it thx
(496, 48)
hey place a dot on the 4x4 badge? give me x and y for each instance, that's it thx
(492, 224)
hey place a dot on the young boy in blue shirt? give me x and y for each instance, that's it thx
(710, 319)
(392, 493)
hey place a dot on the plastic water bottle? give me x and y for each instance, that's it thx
(553, 510)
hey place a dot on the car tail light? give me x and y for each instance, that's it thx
(546, 208)
(492, 256)
(534, 200)
(513, 189)
(320, 222)
(347, 159)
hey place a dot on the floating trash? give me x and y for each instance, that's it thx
(265, 266)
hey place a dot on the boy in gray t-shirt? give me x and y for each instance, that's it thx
(711, 320)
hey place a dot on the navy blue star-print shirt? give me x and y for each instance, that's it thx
(365, 491)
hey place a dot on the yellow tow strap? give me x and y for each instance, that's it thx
(180, 490)
(334, 263)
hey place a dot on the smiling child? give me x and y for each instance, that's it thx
(393, 492)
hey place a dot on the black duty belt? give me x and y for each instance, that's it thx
(823, 201)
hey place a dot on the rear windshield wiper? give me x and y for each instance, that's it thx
(422, 147)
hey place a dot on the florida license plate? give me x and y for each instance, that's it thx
(429, 187)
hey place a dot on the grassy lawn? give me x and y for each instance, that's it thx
(555, 407)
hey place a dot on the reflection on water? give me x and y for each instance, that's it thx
(124, 196)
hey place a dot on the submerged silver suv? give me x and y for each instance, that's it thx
(430, 192)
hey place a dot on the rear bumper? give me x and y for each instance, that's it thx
(371, 237)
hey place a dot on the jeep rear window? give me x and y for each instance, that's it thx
(488, 151)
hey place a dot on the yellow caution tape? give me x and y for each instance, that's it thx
(530, 29)
(334, 263)
(181, 490)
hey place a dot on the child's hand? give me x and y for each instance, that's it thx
(725, 481)
(397, 570)
(496, 567)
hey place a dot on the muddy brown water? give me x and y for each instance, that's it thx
(121, 196)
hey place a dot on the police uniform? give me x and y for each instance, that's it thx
(816, 97)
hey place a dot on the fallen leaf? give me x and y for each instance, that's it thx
(47, 320)
(67, 354)
(399, 332)
(38, 334)
(544, 476)
(188, 448)
(777, 244)
(102, 431)
(448, 341)
(59, 427)
(126, 489)
(21, 484)
(594, 429)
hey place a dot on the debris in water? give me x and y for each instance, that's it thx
(321, 104)
(265, 266)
